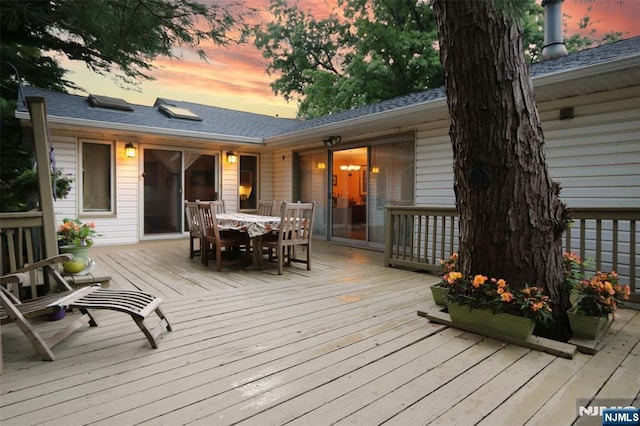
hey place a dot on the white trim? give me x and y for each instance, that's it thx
(108, 125)
(632, 62)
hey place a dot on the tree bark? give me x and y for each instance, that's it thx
(511, 216)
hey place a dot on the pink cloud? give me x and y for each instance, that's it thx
(238, 72)
(606, 15)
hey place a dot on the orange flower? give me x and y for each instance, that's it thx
(506, 296)
(452, 277)
(479, 280)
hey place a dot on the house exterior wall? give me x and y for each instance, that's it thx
(595, 156)
(121, 228)
(283, 174)
(125, 226)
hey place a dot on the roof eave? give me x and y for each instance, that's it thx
(325, 130)
(54, 119)
(617, 65)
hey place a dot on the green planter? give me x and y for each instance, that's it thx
(584, 326)
(485, 320)
(79, 254)
(82, 251)
(439, 293)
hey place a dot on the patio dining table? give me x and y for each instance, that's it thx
(253, 224)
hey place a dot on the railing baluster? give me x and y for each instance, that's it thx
(598, 244)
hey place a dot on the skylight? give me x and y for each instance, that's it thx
(177, 112)
(109, 103)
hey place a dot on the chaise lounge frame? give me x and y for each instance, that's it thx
(137, 304)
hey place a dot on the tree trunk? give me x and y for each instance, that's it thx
(511, 217)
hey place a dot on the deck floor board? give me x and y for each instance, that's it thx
(340, 344)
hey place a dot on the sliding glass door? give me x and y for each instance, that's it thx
(162, 191)
(170, 177)
(311, 185)
(349, 194)
(353, 185)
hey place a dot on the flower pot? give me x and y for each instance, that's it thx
(485, 320)
(439, 293)
(584, 326)
(81, 252)
(57, 315)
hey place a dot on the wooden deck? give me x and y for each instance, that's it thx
(341, 343)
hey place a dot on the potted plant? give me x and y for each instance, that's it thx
(595, 299)
(76, 237)
(439, 290)
(490, 304)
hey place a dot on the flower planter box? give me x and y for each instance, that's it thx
(586, 327)
(483, 319)
(439, 293)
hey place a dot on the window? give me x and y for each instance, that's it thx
(248, 182)
(97, 177)
(173, 111)
(109, 103)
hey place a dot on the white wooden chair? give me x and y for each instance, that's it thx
(265, 208)
(193, 225)
(296, 229)
(216, 240)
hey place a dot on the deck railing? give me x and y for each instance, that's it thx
(418, 237)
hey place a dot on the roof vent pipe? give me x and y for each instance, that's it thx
(553, 43)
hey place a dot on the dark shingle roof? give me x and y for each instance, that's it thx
(587, 57)
(215, 120)
(223, 121)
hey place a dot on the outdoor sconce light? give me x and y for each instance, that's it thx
(331, 141)
(232, 158)
(322, 166)
(375, 169)
(130, 150)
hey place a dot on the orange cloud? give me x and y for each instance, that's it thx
(234, 76)
(606, 16)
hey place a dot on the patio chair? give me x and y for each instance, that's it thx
(137, 304)
(218, 205)
(215, 239)
(193, 225)
(265, 208)
(296, 229)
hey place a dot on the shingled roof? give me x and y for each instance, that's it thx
(220, 122)
(215, 121)
(588, 57)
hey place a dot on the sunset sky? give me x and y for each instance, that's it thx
(235, 77)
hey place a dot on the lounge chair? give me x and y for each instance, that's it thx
(135, 303)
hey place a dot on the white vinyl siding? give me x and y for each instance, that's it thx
(595, 156)
(283, 175)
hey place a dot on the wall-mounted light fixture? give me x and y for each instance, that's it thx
(130, 150)
(232, 158)
(331, 141)
(322, 165)
(375, 169)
